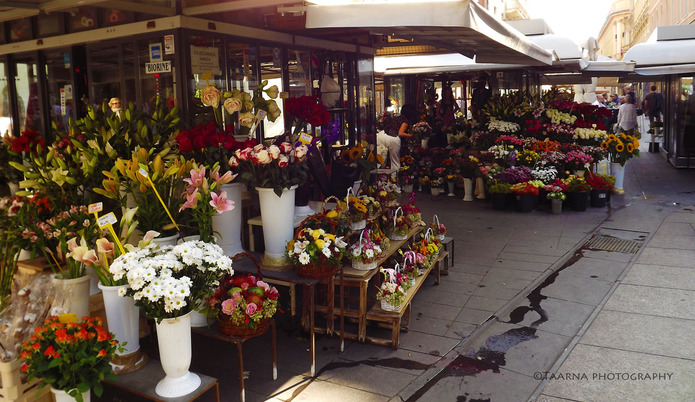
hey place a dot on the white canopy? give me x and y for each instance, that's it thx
(663, 57)
(460, 26)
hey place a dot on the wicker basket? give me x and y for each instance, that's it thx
(386, 306)
(361, 266)
(315, 270)
(227, 327)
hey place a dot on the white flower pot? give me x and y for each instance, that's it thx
(174, 339)
(277, 217)
(198, 319)
(227, 225)
(480, 188)
(24, 255)
(468, 188)
(73, 296)
(122, 317)
(618, 171)
(62, 396)
(93, 282)
(435, 190)
(407, 188)
(450, 185)
(166, 241)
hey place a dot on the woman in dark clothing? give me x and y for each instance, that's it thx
(394, 131)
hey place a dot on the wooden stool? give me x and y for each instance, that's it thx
(447, 243)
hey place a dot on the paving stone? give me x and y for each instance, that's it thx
(485, 303)
(677, 228)
(662, 277)
(443, 297)
(376, 380)
(521, 265)
(660, 256)
(434, 310)
(529, 257)
(578, 288)
(426, 343)
(459, 330)
(602, 269)
(562, 316)
(653, 301)
(473, 316)
(673, 241)
(318, 390)
(496, 292)
(552, 251)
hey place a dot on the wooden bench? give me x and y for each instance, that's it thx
(448, 244)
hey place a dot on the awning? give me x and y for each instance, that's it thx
(564, 47)
(434, 64)
(662, 53)
(460, 26)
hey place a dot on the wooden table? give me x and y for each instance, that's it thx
(213, 333)
(143, 382)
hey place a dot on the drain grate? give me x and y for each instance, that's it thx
(610, 243)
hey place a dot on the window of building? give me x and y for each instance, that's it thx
(114, 16)
(105, 74)
(82, 18)
(20, 30)
(271, 60)
(27, 93)
(5, 108)
(207, 68)
(156, 73)
(60, 92)
(49, 24)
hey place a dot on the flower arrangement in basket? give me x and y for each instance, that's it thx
(332, 221)
(243, 305)
(373, 206)
(314, 252)
(365, 254)
(356, 211)
(392, 292)
(388, 193)
(412, 213)
(401, 226)
(438, 229)
(414, 263)
(428, 245)
(70, 356)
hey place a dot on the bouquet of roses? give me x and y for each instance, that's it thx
(275, 166)
(242, 300)
(421, 131)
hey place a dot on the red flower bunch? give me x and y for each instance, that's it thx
(525, 188)
(545, 146)
(562, 105)
(71, 356)
(243, 299)
(533, 126)
(599, 181)
(204, 136)
(307, 109)
(28, 141)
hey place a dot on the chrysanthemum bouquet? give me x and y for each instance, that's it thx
(171, 281)
(243, 300)
(315, 246)
(365, 253)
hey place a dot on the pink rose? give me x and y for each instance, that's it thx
(210, 96)
(237, 296)
(283, 161)
(243, 155)
(262, 157)
(251, 308)
(258, 147)
(274, 151)
(232, 105)
(263, 286)
(228, 306)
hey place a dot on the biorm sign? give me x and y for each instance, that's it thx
(158, 67)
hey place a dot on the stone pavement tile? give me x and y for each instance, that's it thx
(546, 398)
(563, 317)
(425, 343)
(376, 380)
(657, 335)
(485, 303)
(672, 241)
(436, 295)
(473, 316)
(596, 362)
(403, 360)
(462, 277)
(318, 390)
(503, 386)
(528, 256)
(681, 217)
(661, 277)
(677, 228)
(429, 325)
(460, 330)
(497, 291)
(477, 259)
(448, 286)
(663, 302)
(577, 288)
(552, 251)
(522, 265)
(533, 243)
(662, 256)
(510, 278)
(604, 270)
(434, 310)
(471, 268)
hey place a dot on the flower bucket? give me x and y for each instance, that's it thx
(451, 185)
(499, 201)
(479, 188)
(277, 216)
(73, 295)
(618, 171)
(227, 225)
(407, 188)
(578, 200)
(435, 191)
(174, 340)
(526, 202)
(599, 198)
(556, 205)
(468, 189)
(166, 241)
(227, 327)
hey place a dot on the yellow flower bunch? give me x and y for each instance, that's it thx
(621, 147)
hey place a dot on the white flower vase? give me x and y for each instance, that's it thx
(93, 282)
(618, 171)
(227, 225)
(130, 203)
(480, 188)
(407, 188)
(198, 319)
(468, 188)
(423, 143)
(434, 190)
(174, 339)
(277, 217)
(123, 320)
(451, 186)
(166, 241)
(14, 187)
(72, 296)
(62, 396)
(24, 255)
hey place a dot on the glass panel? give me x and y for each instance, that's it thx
(20, 29)
(26, 83)
(154, 84)
(299, 64)
(685, 121)
(114, 16)
(61, 103)
(105, 73)
(395, 92)
(271, 70)
(83, 18)
(49, 24)
(240, 67)
(365, 106)
(5, 108)
(206, 58)
(128, 93)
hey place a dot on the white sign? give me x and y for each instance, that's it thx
(155, 52)
(205, 60)
(158, 67)
(96, 207)
(168, 44)
(68, 91)
(106, 220)
(142, 172)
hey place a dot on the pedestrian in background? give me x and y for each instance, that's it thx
(627, 116)
(396, 129)
(654, 104)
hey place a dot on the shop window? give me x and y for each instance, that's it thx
(5, 105)
(270, 63)
(105, 74)
(156, 73)
(299, 66)
(206, 57)
(82, 19)
(365, 97)
(20, 30)
(128, 93)
(241, 69)
(61, 99)
(49, 24)
(114, 16)
(27, 93)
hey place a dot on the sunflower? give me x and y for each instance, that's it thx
(623, 136)
(611, 137)
(619, 147)
(604, 145)
(630, 148)
(635, 143)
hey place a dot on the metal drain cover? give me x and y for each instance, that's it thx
(611, 243)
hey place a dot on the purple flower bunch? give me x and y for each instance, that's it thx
(513, 175)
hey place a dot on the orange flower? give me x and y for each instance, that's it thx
(102, 353)
(36, 346)
(49, 351)
(25, 367)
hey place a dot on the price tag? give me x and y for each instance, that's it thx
(142, 172)
(305, 138)
(106, 220)
(67, 318)
(284, 95)
(96, 207)
(261, 114)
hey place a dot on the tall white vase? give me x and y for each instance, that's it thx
(73, 295)
(174, 339)
(480, 188)
(227, 225)
(62, 396)
(468, 188)
(619, 172)
(277, 217)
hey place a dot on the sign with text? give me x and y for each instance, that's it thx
(205, 60)
(158, 67)
(155, 52)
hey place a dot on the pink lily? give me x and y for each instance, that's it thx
(220, 180)
(197, 178)
(220, 202)
(191, 201)
(104, 246)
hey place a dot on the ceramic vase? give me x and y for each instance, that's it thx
(468, 189)
(166, 241)
(451, 186)
(174, 339)
(227, 225)
(277, 217)
(618, 171)
(62, 396)
(74, 294)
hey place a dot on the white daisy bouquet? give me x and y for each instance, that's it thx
(171, 281)
(365, 253)
(315, 246)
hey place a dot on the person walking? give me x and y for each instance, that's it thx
(627, 116)
(654, 104)
(396, 129)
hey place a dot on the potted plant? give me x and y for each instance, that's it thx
(556, 195)
(526, 195)
(315, 252)
(167, 283)
(577, 161)
(392, 292)
(600, 184)
(621, 148)
(242, 305)
(71, 357)
(577, 192)
(499, 194)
